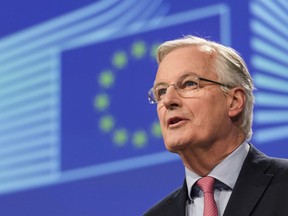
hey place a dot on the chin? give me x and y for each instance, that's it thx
(175, 147)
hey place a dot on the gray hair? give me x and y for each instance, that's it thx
(230, 67)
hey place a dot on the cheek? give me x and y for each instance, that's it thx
(160, 113)
(215, 115)
(161, 117)
(206, 112)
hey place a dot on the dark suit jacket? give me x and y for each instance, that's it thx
(260, 190)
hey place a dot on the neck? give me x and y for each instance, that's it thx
(202, 160)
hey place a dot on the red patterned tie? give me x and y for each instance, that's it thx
(207, 186)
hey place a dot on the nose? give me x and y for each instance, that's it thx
(172, 99)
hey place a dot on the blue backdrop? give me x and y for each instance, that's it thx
(77, 135)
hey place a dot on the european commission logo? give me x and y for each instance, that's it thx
(107, 78)
(34, 79)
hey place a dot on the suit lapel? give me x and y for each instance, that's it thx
(181, 201)
(176, 205)
(250, 185)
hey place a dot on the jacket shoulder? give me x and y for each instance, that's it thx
(279, 166)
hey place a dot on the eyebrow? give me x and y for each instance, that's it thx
(183, 76)
(159, 84)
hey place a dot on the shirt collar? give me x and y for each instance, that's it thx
(223, 171)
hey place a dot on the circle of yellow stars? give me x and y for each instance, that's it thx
(107, 122)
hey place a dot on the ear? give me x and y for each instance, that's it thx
(236, 101)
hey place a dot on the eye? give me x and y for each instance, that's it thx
(189, 84)
(160, 92)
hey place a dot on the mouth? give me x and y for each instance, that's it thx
(174, 121)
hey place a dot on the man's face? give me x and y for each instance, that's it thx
(197, 121)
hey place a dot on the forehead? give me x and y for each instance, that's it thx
(183, 60)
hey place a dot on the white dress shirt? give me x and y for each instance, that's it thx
(225, 172)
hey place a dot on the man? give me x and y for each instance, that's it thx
(204, 96)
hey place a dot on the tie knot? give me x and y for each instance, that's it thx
(206, 184)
